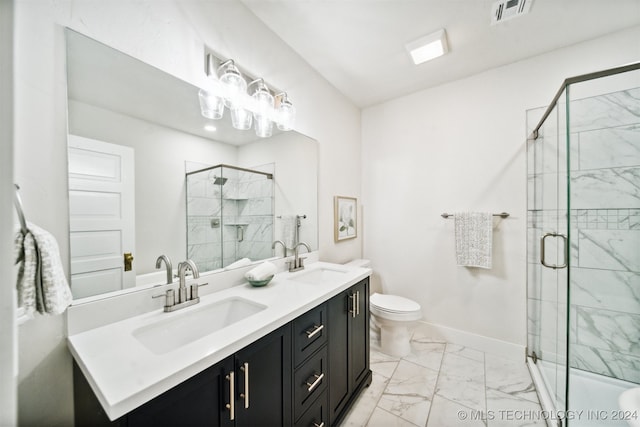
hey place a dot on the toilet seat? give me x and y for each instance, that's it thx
(393, 303)
(394, 307)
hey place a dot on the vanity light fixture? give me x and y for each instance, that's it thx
(252, 103)
(263, 112)
(235, 86)
(428, 47)
(285, 112)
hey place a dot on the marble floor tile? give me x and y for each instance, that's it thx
(427, 354)
(510, 377)
(462, 380)
(366, 403)
(445, 413)
(409, 392)
(382, 418)
(510, 411)
(441, 385)
(382, 363)
(467, 352)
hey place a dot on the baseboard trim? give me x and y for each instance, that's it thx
(468, 339)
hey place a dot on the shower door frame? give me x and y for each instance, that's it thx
(565, 91)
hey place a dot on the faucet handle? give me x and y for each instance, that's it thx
(194, 289)
(170, 296)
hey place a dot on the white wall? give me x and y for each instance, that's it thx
(169, 35)
(8, 351)
(459, 147)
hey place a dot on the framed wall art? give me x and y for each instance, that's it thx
(345, 218)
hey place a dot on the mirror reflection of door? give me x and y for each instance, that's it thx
(101, 212)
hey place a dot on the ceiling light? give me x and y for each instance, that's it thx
(428, 47)
(210, 128)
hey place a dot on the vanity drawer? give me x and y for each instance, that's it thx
(318, 413)
(310, 381)
(309, 333)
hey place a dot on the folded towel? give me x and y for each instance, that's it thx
(474, 236)
(261, 272)
(242, 262)
(41, 282)
(289, 230)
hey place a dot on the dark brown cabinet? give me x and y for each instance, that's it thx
(348, 347)
(306, 373)
(263, 381)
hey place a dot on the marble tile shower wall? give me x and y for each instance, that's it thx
(231, 221)
(604, 230)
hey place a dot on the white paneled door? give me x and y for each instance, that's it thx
(102, 216)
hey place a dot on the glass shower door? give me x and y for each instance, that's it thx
(548, 240)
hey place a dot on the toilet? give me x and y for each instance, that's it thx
(392, 317)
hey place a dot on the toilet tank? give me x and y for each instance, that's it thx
(374, 282)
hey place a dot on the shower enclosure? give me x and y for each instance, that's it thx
(583, 245)
(229, 215)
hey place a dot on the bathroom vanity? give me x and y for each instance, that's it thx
(301, 358)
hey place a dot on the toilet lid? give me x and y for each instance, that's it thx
(393, 303)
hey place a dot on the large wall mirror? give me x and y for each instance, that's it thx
(147, 178)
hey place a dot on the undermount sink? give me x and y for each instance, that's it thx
(319, 275)
(629, 402)
(179, 329)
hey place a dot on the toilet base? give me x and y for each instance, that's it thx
(395, 340)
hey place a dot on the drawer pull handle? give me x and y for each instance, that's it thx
(230, 406)
(318, 425)
(318, 380)
(245, 368)
(357, 303)
(313, 332)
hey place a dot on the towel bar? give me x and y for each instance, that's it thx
(501, 215)
(18, 202)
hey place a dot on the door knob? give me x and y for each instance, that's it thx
(128, 260)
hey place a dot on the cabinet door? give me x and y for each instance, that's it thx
(263, 381)
(359, 335)
(198, 401)
(348, 317)
(338, 317)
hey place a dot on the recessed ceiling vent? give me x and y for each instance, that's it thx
(503, 10)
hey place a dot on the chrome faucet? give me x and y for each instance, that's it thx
(185, 299)
(169, 267)
(182, 271)
(284, 247)
(298, 262)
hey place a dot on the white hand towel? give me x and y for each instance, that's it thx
(242, 262)
(261, 272)
(474, 237)
(41, 282)
(289, 228)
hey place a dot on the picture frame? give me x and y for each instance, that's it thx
(345, 211)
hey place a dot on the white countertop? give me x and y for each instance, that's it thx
(124, 374)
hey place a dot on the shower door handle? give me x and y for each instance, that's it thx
(564, 250)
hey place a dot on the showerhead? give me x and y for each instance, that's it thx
(217, 180)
